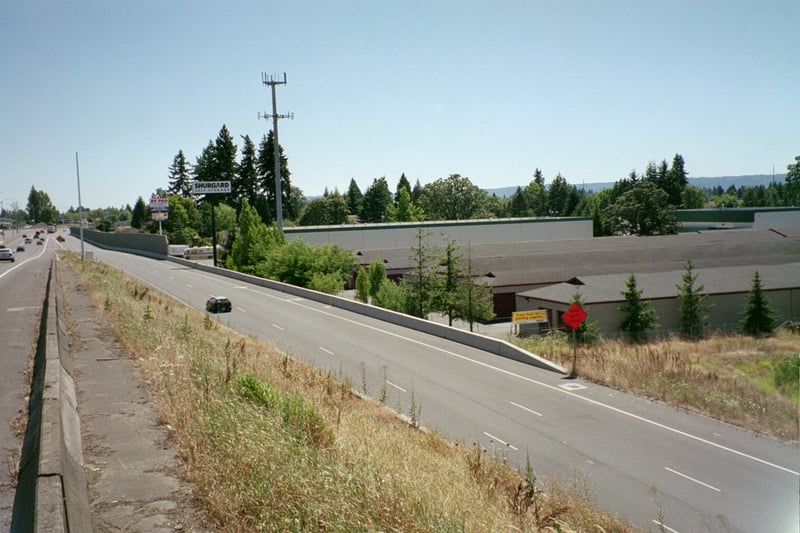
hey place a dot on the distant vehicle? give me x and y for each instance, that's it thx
(199, 252)
(218, 304)
(51, 228)
(6, 255)
(20, 248)
(28, 240)
(39, 241)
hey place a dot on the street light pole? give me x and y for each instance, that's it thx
(80, 207)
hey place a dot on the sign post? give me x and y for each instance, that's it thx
(574, 317)
(212, 187)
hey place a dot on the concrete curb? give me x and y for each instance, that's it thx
(61, 491)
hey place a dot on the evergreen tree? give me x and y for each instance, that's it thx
(401, 183)
(225, 166)
(792, 183)
(416, 192)
(266, 173)
(180, 176)
(638, 316)
(692, 305)
(355, 198)
(676, 180)
(519, 204)
(247, 185)
(377, 200)
(421, 278)
(558, 197)
(758, 317)
(450, 270)
(140, 216)
(474, 301)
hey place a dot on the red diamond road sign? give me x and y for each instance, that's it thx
(574, 315)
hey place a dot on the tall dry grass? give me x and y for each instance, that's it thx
(273, 444)
(727, 377)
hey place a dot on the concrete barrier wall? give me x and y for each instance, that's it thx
(53, 494)
(475, 340)
(138, 243)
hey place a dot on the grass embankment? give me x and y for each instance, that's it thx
(274, 444)
(727, 377)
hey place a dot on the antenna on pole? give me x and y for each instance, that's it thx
(272, 82)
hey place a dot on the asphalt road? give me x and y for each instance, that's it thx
(22, 290)
(655, 465)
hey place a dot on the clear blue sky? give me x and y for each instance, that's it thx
(490, 90)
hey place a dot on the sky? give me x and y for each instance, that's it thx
(490, 90)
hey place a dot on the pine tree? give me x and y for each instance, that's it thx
(758, 317)
(402, 182)
(266, 173)
(692, 305)
(180, 176)
(355, 198)
(247, 185)
(450, 270)
(139, 217)
(377, 200)
(474, 299)
(638, 316)
(421, 280)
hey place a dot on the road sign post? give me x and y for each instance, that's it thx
(574, 317)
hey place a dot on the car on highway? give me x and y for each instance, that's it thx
(20, 248)
(218, 304)
(28, 240)
(6, 255)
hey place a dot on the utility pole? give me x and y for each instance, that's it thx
(272, 82)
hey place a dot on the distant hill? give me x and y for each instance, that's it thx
(704, 183)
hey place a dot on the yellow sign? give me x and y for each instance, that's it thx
(536, 315)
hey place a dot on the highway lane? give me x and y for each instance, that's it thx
(22, 291)
(632, 452)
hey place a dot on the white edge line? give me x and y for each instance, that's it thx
(398, 387)
(501, 441)
(661, 524)
(326, 351)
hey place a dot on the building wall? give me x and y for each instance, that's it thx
(725, 313)
(393, 236)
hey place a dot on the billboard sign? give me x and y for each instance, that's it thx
(159, 204)
(211, 187)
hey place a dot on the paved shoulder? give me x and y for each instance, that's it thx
(133, 470)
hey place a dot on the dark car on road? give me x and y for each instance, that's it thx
(6, 255)
(218, 304)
